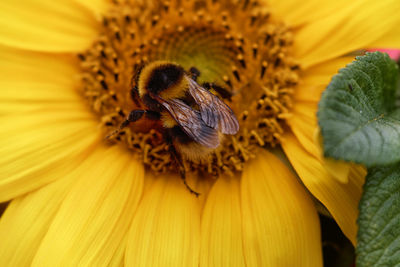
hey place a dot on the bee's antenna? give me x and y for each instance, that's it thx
(112, 134)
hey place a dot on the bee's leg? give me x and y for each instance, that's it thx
(133, 116)
(194, 72)
(223, 92)
(178, 159)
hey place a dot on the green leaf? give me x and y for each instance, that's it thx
(356, 112)
(379, 220)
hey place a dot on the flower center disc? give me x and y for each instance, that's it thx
(234, 44)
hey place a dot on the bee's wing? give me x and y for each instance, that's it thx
(214, 112)
(191, 122)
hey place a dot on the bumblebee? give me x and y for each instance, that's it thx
(194, 119)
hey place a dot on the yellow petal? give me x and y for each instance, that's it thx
(166, 228)
(119, 256)
(57, 26)
(337, 168)
(31, 80)
(354, 26)
(221, 227)
(16, 64)
(315, 79)
(48, 123)
(391, 40)
(340, 199)
(26, 221)
(303, 124)
(98, 7)
(280, 222)
(96, 214)
(308, 11)
(33, 144)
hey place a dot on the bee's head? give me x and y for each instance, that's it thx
(159, 76)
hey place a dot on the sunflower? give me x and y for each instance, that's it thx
(78, 199)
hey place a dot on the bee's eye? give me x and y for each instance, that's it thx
(164, 79)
